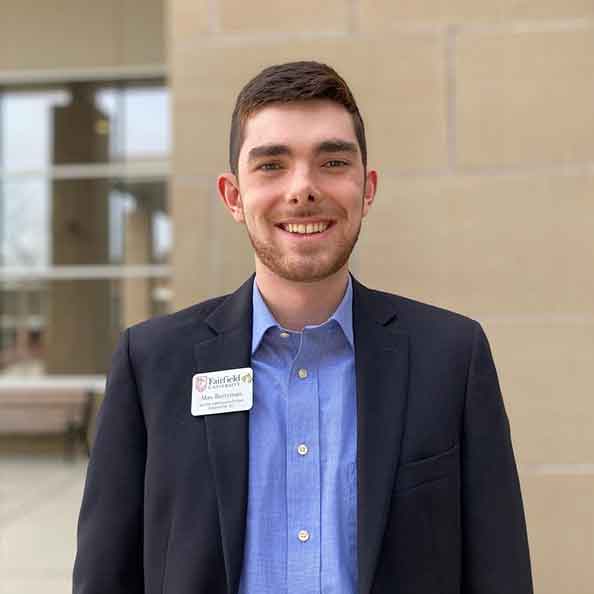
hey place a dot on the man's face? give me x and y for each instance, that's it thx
(301, 188)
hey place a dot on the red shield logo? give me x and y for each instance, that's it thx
(201, 383)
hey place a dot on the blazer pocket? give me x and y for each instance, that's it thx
(415, 473)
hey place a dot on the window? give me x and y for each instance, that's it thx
(85, 234)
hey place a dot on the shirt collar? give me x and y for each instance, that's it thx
(263, 318)
(344, 314)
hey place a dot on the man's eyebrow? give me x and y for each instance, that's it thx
(268, 150)
(335, 145)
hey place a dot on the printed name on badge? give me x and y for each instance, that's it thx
(229, 390)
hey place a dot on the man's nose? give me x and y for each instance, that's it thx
(302, 188)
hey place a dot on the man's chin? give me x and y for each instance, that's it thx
(302, 268)
(304, 272)
(299, 276)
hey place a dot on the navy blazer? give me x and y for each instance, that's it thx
(438, 498)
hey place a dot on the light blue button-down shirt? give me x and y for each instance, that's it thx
(301, 531)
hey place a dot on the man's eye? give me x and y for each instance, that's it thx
(269, 166)
(335, 163)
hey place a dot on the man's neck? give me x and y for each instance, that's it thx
(295, 305)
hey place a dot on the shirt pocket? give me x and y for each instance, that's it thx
(427, 470)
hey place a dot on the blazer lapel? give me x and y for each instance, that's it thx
(229, 347)
(381, 362)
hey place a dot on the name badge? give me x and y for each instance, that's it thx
(230, 390)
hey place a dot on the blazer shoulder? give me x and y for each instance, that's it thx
(168, 330)
(426, 320)
(436, 329)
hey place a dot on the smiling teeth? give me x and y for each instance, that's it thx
(305, 229)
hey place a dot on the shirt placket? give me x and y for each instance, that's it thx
(303, 472)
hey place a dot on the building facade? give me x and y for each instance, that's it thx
(479, 119)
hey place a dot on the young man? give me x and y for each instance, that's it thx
(376, 457)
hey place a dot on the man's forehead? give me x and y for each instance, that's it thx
(311, 121)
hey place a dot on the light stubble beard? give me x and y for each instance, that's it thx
(303, 268)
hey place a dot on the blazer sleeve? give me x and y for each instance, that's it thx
(495, 545)
(109, 551)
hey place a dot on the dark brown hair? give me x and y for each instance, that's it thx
(284, 83)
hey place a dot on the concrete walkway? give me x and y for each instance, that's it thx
(40, 498)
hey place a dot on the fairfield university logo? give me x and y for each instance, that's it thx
(201, 383)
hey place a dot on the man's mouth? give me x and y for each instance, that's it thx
(305, 228)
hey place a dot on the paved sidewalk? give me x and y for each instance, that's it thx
(39, 502)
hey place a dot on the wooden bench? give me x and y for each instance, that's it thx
(51, 405)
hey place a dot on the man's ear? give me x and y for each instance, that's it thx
(370, 189)
(228, 188)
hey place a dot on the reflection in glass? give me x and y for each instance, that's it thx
(21, 326)
(56, 224)
(139, 119)
(26, 128)
(132, 117)
(41, 331)
(24, 233)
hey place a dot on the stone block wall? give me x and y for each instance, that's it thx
(480, 119)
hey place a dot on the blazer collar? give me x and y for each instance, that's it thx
(235, 311)
(381, 363)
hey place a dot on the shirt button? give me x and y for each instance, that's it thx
(302, 449)
(284, 335)
(303, 535)
(302, 373)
